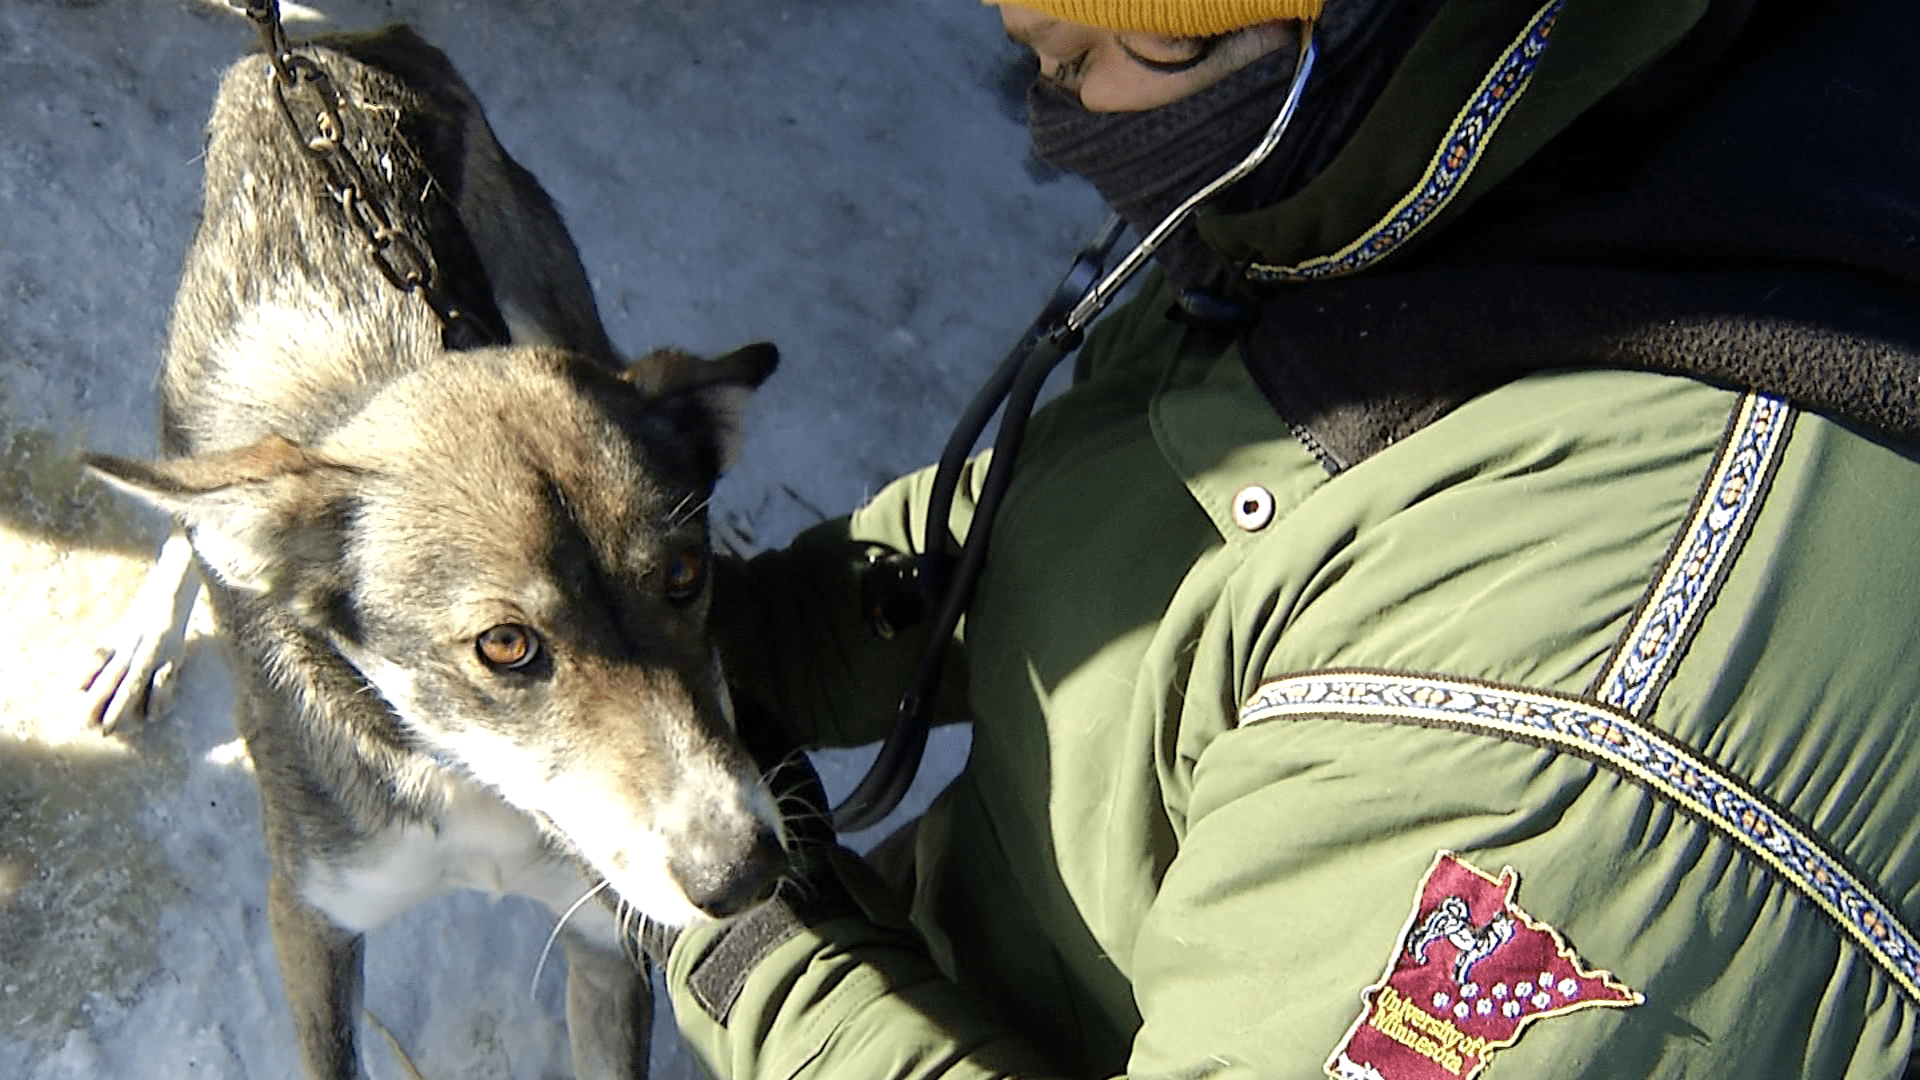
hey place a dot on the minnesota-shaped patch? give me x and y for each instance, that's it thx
(1471, 972)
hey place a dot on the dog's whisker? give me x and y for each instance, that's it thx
(673, 516)
(799, 887)
(681, 514)
(792, 790)
(794, 755)
(795, 807)
(805, 815)
(632, 924)
(534, 986)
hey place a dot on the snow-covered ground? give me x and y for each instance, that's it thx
(843, 177)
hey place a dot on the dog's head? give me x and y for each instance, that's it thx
(511, 547)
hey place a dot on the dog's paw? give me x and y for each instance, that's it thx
(129, 680)
(131, 683)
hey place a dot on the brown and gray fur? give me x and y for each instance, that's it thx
(371, 505)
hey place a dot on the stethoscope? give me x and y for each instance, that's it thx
(899, 585)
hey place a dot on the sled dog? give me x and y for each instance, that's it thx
(463, 590)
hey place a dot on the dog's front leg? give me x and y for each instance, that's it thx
(609, 1012)
(320, 963)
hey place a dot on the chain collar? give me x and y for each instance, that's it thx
(312, 107)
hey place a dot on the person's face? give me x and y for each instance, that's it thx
(1124, 71)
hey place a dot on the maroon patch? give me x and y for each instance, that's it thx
(1472, 971)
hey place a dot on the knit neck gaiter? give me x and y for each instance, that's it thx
(1146, 163)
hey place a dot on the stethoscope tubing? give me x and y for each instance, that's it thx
(1016, 383)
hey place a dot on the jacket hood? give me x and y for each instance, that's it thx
(1483, 88)
(1724, 190)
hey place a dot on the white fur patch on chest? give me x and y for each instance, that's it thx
(478, 842)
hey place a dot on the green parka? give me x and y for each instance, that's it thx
(1255, 653)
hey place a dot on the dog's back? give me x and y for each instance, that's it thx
(279, 326)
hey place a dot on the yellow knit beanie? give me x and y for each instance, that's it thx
(1175, 18)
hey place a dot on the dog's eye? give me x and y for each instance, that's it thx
(684, 574)
(507, 647)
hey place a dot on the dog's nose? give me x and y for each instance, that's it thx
(738, 878)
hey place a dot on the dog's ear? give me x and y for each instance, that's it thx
(704, 397)
(259, 515)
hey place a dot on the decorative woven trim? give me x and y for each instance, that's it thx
(1447, 173)
(1613, 739)
(1703, 552)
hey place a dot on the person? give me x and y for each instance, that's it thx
(1462, 617)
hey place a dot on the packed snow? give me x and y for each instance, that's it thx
(847, 179)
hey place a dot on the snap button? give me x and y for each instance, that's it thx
(1253, 508)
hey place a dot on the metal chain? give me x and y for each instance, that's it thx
(312, 106)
